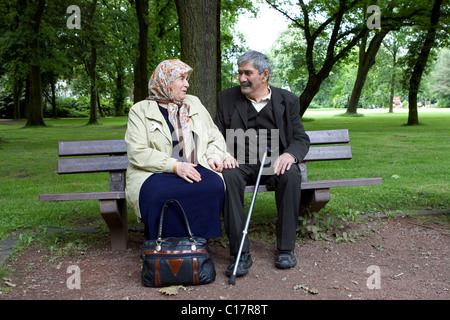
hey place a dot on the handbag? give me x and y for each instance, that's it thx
(176, 260)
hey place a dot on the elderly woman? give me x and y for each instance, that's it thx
(175, 152)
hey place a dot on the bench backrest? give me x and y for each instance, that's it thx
(110, 155)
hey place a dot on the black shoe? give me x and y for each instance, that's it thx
(285, 260)
(245, 262)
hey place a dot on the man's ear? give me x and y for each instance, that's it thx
(265, 75)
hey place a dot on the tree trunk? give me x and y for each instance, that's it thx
(93, 115)
(366, 61)
(34, 107)
(141, 66)
(99, 106)
(394, 70)
(219, 50)
(311, 89)
(419, 67)
(198, 35)
(17, 94)
(119, 95)
(53, 98)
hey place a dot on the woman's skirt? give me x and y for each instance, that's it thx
(202, 202)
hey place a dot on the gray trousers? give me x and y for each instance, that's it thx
(287, 189)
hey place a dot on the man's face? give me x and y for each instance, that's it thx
(252, 83)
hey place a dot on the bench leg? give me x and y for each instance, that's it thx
(313, 200)
(114, 212)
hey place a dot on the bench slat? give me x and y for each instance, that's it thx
(97, 164)
(91, 147)
(328, 136)
(118, 146)
(117, 195)
(329, 153)
(120, 163)
(327, 184)
(111, 195)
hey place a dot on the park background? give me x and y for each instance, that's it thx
(74, 76)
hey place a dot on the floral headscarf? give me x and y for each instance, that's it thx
(160, 88)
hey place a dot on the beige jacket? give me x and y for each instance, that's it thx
(149, 143)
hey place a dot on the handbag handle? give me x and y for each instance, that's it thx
(186, 222)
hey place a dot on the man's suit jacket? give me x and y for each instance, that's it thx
(231, 113)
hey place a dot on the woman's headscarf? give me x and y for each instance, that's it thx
(160, 88)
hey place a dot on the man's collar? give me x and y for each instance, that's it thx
(266, 98)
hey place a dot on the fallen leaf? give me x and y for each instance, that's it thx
(379, 248)
(10, 284)
(301, 286)
(313, 291)
(171, 291)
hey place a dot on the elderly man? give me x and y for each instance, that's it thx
(259, 108)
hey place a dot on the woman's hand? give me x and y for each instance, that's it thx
(187, 171)
(215, 164)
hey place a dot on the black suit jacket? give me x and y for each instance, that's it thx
(231, 113)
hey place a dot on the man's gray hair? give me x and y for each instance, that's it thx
(260, 61)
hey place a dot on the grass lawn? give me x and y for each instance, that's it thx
(413, 162)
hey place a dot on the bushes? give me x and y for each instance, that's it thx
(6, 106)
(68, 108)
(80, 107)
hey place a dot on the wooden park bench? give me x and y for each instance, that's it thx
(110, 156)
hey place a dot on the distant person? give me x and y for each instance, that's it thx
(175, 152)
(255, 105)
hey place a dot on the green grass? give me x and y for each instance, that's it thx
(413, 162)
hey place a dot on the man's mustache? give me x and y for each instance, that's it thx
(246, 84)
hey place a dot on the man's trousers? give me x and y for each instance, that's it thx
(287, 189)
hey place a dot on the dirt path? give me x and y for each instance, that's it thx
(401, 258)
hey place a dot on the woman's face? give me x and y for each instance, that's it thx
(179, 88)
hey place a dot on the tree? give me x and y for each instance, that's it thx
(199, 36)
(419, 66)
(34, 105)
(158, 39)
(441, 78)
(393, 44)
(341, 30)
(141, 66)
(14, 53)
(366, 61)
(100, 60)
(341, 25)
(92, 39)
(395, 16)
(228, 47)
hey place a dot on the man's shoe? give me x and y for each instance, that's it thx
(245, 262)
(285, 260)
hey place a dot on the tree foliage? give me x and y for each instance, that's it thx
(441, 78)
(332, 33)
(104, 65)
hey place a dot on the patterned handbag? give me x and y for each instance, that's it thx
(176, 260)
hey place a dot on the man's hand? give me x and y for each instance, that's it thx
(230, 163)
(283, 163)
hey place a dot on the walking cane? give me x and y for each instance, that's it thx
(232, 279)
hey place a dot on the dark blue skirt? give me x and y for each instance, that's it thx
(202, 202)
